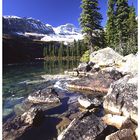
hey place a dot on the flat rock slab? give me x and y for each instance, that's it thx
(98, 82)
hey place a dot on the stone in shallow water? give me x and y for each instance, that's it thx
(88, 102)
(44, 96)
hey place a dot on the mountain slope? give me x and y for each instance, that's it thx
(13, 24)
(35, 29)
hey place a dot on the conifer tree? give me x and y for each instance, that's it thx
(90, 21)
(132, 43)
(121, 22)
(110, 26)
(60, 53)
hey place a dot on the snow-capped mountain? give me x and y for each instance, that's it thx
(22, 25)
(32, 27)
(65, 33)
(67, 29)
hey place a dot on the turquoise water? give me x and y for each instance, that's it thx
(15, 76)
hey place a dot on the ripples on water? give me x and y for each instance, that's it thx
(15, 77)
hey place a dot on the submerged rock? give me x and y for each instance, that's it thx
(44, 96)
(122, 98)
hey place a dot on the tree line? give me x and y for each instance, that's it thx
(60, 50)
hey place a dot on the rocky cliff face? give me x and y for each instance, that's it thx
(13, 24)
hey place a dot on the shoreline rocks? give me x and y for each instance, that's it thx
(99, 82)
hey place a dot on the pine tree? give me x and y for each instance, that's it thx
(121, 22)
(110, 26)
(132, 43)
(90, 21)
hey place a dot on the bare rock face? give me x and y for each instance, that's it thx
(14, 128)
(44, 96)
(122, 98)
(124, 134)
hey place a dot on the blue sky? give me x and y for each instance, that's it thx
(54, 12)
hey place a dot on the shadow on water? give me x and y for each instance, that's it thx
(59, 109)
(46, 131)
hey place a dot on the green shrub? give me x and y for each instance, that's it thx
(85, 56)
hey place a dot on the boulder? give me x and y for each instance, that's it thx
(129, 65)
(120, 122)
(16, 127)
(45, 95)
(106, 57)
(122, 98)
(32, 117)
(86, 102)
(83, 127)
(124, 134)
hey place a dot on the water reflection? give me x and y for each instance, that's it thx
(16, 76)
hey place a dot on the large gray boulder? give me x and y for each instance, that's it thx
(129, 65)
(122, 98)
(106, 57)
